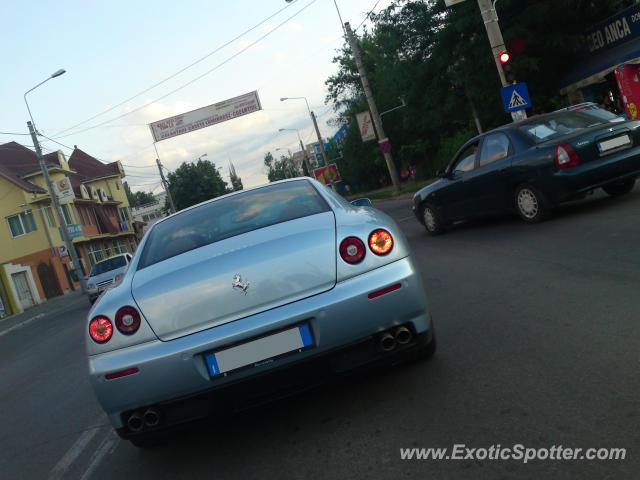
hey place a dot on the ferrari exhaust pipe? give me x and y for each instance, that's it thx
(135, 423)
(387, 342)
(403, 335)
(151, 417)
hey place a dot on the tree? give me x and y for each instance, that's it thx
(138, 198)
(236, 181)
(192, 183)
(280, 169)
(438, 60)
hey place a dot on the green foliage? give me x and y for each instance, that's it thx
(193, 183)
(279, 169)
(138, 198)
(438, 60)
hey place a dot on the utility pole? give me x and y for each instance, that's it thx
(375, 116)
(320, 140)
(166, 186)
(490, 19)
(307, 163)
(54, 199)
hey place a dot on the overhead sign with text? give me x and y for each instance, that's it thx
(205, 116)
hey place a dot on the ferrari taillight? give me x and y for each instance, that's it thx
(380, 242)
(128, 320)
(352, 250)
(100, 329)
(566, 156)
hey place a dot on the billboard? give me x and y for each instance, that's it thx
(327, 175)
(205, 116)
(365, 125)
(63, 190)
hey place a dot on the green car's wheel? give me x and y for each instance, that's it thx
(530, 204)
(431, 219)
(620, 188)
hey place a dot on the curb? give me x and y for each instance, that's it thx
(38, 316)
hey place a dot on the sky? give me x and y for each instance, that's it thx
(114, 50)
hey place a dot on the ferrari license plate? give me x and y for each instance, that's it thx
(259, 351)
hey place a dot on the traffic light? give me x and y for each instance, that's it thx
(505, 61)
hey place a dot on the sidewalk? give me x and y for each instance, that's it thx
(50, 307)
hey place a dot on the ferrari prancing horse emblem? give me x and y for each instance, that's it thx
(238, 284)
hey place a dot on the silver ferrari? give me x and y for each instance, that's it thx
(228, 298)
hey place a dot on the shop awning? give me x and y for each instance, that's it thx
(593, 70)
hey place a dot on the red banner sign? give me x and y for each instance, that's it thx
(327, 175)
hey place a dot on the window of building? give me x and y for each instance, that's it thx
(66, 211)
(49, 213)
(21, 223)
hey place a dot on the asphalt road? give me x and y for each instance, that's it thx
(539, 336)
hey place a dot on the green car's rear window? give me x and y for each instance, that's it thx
(565, 123)
(231, 216)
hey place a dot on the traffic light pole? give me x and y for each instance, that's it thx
(375, 116)
(490, 19)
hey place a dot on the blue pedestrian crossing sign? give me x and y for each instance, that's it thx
(515, 97)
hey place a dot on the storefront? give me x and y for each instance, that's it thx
(608, 71)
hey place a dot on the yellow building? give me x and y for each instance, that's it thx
(34, 263)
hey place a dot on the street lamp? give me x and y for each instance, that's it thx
(54, 198)
(315, 125)
(201, 156)
(383, 141)
(307, 164)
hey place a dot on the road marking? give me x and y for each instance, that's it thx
(73, 453)
(107, 446)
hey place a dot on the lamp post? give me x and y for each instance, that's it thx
(315, 125)
(383, 141)
(54, 198)
(307, 164)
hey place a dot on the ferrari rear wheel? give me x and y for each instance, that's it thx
(620, 188)
(431, 219)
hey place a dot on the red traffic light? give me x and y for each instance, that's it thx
(504, 57)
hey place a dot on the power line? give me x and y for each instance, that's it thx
(366, 17)
(55, 141)
(216, 67)
(14, 133)
(201, 59)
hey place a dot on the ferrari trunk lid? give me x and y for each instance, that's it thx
(238, 276)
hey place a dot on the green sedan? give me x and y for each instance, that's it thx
(533, 166)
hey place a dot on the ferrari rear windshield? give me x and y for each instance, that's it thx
(231, 216)
(558, 124)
